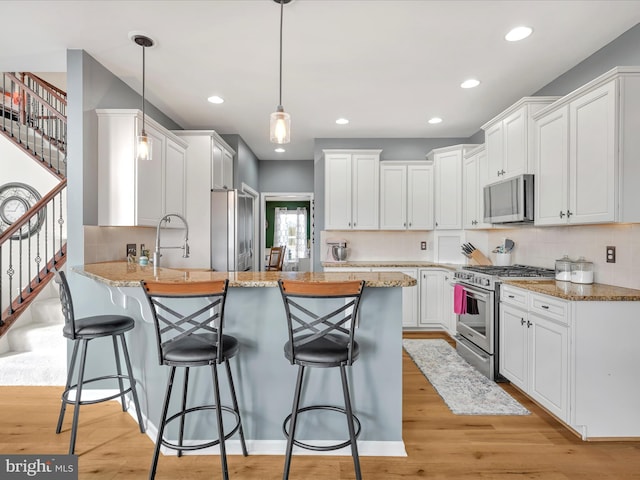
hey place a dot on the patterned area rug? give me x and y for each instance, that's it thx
(465, 390)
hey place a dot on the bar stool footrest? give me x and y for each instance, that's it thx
(200, 446)
(65, 394)
(323, 448)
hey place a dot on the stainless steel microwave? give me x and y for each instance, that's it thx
(509, 201)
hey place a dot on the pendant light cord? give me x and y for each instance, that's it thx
(281, 20)
(143, 81)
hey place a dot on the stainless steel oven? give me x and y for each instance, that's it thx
(477, 323)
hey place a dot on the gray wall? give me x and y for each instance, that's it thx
(91, 86)
(286, 176)
(623, 51)
(245, 165)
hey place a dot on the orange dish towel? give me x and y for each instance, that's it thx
(459, 299)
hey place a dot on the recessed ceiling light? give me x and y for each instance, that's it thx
(280, 150)
(216, 99)
(471, 83)
(435, 120)
(518, 33)
(342, 121)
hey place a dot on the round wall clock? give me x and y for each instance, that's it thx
(15, 199)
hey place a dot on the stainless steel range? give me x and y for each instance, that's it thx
(477, 323)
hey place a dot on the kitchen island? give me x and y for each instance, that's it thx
(264, 379)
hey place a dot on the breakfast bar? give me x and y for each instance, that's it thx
(265, 381)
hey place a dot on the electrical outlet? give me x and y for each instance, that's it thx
(423, 245)
(131, 249)
(611, 254)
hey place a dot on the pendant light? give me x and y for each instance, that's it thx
(144, 150)
(280, 124)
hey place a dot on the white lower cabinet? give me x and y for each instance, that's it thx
(409, 294)
(577, 359)
(436, 300)
(448, 317)
(534, 349)
(431, 281)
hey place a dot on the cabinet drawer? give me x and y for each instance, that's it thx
(549, 307)
(513, 296)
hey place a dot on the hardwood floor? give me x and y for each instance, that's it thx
(440, 445)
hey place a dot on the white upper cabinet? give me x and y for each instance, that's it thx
(586, 153)
(132, 192)
(406, 196)
(474, 174)
(447, 167)
(352, 189)
(209, 147)
(508, 139)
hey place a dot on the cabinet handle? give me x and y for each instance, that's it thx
(349, 224)
(409, 223)
(569, 213)
(404, 224)
(499, 173)
(529, 324)
(503, 172)
(522, 322)
(511, 296)
(436, 224)
(546, 307)
(561, 214)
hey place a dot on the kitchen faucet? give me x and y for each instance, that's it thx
(185, 245)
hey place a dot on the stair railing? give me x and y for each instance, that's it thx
(30, 249)
(34, 114)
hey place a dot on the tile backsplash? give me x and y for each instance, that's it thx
(542, 246)
(538, 246)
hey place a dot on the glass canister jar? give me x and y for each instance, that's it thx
(563, 269)
(582, 271)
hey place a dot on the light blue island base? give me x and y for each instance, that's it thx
(265, 380)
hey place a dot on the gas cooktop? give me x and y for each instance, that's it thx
(488, 276)
(511, 270)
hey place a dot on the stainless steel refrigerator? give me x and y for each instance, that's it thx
(231, 231)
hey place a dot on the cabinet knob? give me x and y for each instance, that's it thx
(409, 223)
(522, 321)
(404, 224)
(569, 213)
(529, 324)
(502, 172)
(561, 214)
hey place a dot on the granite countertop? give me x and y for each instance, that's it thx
(123, 274)
(578, 292)
(390, 264)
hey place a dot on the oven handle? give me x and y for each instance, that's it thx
(475, 293)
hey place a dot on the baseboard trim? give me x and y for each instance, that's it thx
(366, 448)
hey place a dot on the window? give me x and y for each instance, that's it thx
(291, 231)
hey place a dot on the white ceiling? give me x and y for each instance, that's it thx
(386, 65)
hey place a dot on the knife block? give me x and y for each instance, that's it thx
(479, 258)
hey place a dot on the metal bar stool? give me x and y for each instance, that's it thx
(189, 334)
(321, 319)
(81, 331)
